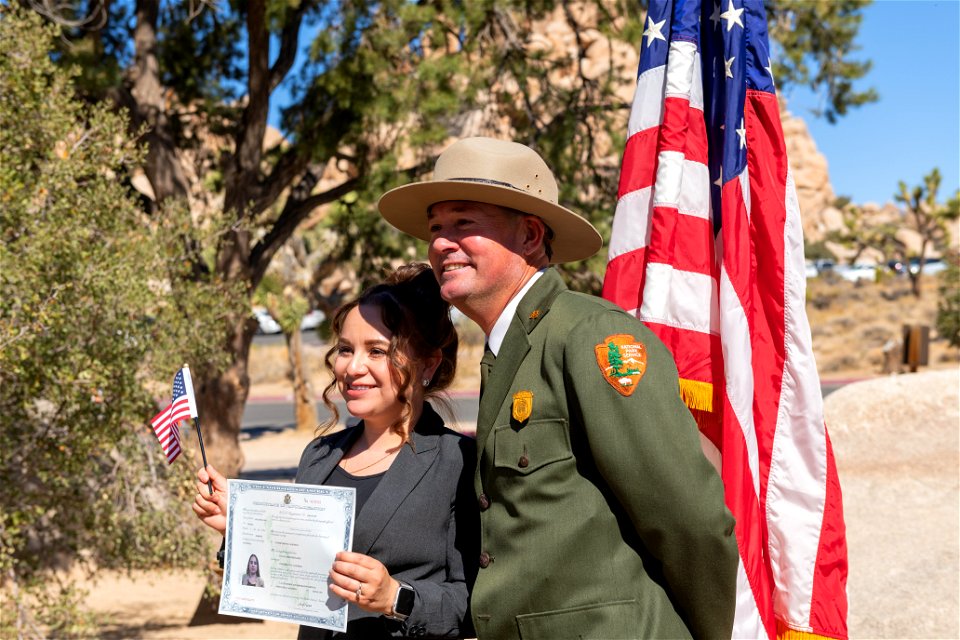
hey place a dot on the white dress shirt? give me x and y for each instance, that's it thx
(499, 331)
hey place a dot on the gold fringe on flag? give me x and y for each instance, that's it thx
(697, 395)
(786, 633)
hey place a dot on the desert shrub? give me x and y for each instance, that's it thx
(85, 310)
(948, 306)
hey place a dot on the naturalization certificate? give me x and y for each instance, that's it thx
(281, 540)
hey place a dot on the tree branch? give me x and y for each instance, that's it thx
(297, 208)
(242, 183)
(292, 163)
(289, 39)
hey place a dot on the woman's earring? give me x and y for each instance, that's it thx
(426, 382)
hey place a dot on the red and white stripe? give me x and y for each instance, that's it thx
(731, 309)
(165, 426)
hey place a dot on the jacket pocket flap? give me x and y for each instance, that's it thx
(616, 619)
(538, 443)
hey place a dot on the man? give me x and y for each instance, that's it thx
(600, 516)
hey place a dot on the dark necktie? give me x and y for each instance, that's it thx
(486, 364)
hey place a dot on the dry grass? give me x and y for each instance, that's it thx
(852, 324)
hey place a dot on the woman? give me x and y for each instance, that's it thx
(415, 539)
(252, 577)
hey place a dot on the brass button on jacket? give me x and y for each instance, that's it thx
(485, 560)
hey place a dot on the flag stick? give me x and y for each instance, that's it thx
(203, 454)
(188, 385)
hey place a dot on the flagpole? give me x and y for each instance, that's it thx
(203, 454)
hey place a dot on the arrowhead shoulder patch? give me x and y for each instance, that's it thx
(623, 361)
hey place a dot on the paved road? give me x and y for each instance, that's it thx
(308, 337)
(272, 414)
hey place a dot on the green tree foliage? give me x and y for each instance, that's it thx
(85, 298)
(816, 42)
(929, 219)
(817, 251)
(948, 307)
(386, 84)
(859, 233)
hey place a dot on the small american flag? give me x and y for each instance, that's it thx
(183, 405)
(707, 250)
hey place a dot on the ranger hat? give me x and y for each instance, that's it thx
(493, 172)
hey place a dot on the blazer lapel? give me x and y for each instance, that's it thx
(400, 480)
(327, 455)
(516, 344)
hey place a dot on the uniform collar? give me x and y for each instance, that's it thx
(531, 310)
(499, 331)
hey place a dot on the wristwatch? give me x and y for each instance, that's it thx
(403, 603)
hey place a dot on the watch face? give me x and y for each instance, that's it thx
(404, 603)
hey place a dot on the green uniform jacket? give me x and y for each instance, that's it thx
(600, 515)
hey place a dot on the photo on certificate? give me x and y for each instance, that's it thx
(281, 541)
(251, 577)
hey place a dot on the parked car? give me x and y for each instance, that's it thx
(857, 272)
(824, 265)
(265, 322)
(811, 269)
(312, 320)
(930, 267)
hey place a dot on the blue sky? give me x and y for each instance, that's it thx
(915, 48)
(915, 126)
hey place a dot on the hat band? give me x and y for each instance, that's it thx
(497, 183)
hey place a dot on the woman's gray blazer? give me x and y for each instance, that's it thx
(421, 521)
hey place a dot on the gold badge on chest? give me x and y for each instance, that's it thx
(623, 361)
(522, 405)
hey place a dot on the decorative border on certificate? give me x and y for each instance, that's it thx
(281, 540)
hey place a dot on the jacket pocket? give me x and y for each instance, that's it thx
(538, 443)
(608, 621)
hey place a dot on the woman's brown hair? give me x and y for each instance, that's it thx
(419, 319)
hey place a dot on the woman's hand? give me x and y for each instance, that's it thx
(365, 581)
(212, 510)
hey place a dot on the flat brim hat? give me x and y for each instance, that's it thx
(496, 172)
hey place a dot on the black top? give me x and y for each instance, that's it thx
(421, 522)
(363, 484)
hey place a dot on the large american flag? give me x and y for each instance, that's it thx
(707, 250)
(183, 406)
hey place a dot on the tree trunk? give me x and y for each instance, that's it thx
(221, 399)
(163, 166)
(305, 409)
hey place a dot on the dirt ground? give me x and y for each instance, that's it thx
(898, 456)
(897, 450)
